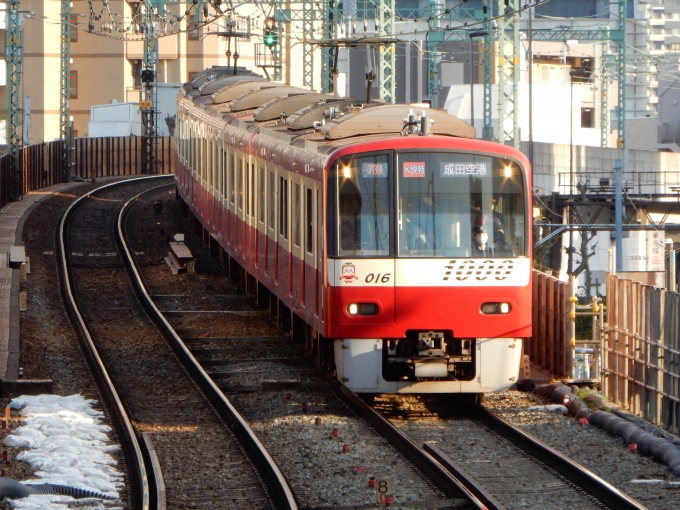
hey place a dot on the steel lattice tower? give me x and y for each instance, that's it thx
(308, 18)
(387, 61)
(14, 71)
(487, 65)
(508, 73)
(620, 38)
(65, 93)
(148, 108)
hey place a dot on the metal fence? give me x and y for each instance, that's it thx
(40, 164)
(641, 351)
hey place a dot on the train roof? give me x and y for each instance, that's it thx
(292, 112)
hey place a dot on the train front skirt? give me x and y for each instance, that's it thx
(360, 365)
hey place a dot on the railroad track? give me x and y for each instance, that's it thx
(285, 397)
(512, 466)
(198, 441)
(268, 364)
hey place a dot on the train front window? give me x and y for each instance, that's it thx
(459, 205)
(362, 203)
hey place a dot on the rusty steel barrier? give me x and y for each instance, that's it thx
(40, 164)
(547, 348)
(641, 351)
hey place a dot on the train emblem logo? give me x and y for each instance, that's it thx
(348, 273)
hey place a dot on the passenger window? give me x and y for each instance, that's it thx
(232, 171)
(283, 207)
(309, 220)
(262, 197)
(296, 214)
(272, 201)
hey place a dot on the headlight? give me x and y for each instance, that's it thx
(496, 308)
(362, 309)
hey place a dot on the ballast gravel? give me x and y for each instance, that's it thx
(648, 482)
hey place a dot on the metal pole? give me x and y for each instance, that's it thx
(618, 212)
(673, 284)
(571, 334)
(531, 85)
(570, 258)
(472, 91)
(472, 35)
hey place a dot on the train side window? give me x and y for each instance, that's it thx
(213, 163)
(272, 201)
(283, 207)
(232, 172)
(262, 196)
(204, 159)
(309, 220)
(239, 183)
(296, 214)
(248, 167)
(209, 162)
(225, 172)
(251, 187)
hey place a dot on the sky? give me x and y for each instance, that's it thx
(66, 442)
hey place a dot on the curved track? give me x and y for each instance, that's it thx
(204, 463)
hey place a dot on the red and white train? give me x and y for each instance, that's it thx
(400, 240)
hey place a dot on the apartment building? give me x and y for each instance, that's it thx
(107, 67)
(103, 67)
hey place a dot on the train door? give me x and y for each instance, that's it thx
(270, 246)
(232, 196)
(260, 231)
(360, 240)
(219, 179)
(238, 224)
(201, 173)
(309, 265)
(222, 177)
(213, 172)
(208, 171)
(283, 241)
(251, 225)
(296, 268)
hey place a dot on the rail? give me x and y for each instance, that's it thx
(274, 480)
(97, 364)
(454, 487)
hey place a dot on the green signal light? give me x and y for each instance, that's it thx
(270, 39)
